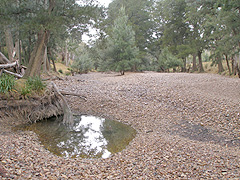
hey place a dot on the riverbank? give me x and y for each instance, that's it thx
(188, 127)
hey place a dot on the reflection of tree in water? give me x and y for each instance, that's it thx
(89, 137)
(117, 134)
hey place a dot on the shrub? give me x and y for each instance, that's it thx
(68, 73)
(60, 71)
(83, 63)
(167, 60)
(7, 83)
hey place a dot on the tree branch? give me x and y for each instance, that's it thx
(3, 59)
(73, 94)
(9, 65)
(15, 74)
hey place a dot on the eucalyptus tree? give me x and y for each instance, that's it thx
(8, 27)
(139, 14)
(173, 28)
(121, 52)
(42, 20)
(229, 19)
(83, 62)
(196, 16)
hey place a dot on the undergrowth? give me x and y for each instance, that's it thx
(7, 83)
(33, 85)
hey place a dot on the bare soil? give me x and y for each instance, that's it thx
(188, 127)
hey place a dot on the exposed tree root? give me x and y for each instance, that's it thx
(32, 109)
(68, 117)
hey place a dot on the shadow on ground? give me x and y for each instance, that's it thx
(198, 132)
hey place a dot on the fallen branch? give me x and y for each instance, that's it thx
(53, 78)
(67, 117)
(15, 74)
(73, 94)
(9, 65)
(3, 59)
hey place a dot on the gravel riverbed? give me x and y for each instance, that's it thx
(188, 127)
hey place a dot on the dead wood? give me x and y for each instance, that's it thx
(73, 94)
(53, 78)
(14, 74)
(3, 59)
(8, 65)
(68, 117)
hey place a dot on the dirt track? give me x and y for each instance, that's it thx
(188, 128)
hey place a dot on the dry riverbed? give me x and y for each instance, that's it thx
(188, 127)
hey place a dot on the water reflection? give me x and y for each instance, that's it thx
(90, 137)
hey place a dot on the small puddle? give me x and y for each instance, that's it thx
(89, 137)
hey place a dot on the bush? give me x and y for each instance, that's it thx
(167, 60)
(7, 83)
(83, 63)
(60, 71)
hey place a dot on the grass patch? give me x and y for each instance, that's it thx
(10, 87)
(61, 68)
(7, 83)
(35, 84)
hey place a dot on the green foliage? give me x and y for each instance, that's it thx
(60, 71)
(206, 57)
(66, 20)
(167, 60)
(121, 52)
(7, 83)
(35, 84)
(68, 73)
(83, 63)
(25, 90)
(140, 18)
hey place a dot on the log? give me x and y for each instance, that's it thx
(14, 74)
(9, 65)
(67, 117)
(73, 94)
(3, 59)
(53, 78)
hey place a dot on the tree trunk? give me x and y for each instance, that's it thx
(9, 42)
(67, 58)
(233, 66)
(237, 62)
(50, 56)
(220, 66)
(34, 66)
(184, 68)
(68, 117)
(18, 50)
(228, 66)
(200, 61)
(194, 68)
(238, 70)
(29, 46)
(46, 65)
(63, 55)
(122, 73)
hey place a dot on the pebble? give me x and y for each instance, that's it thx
(181, 124)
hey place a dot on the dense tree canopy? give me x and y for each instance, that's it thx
(39, 30)
(40, 22)
(121, 52)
